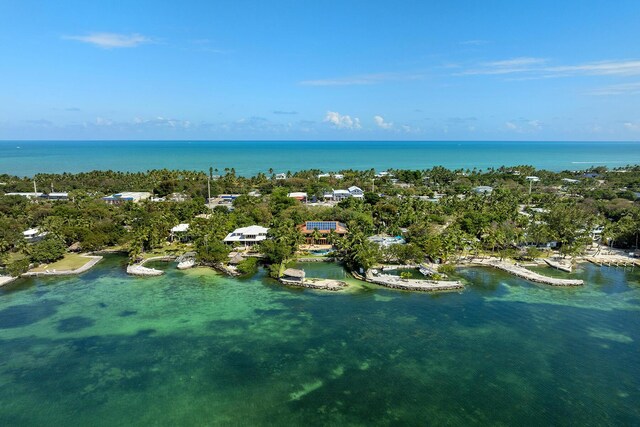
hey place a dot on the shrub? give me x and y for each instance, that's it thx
(47, 250)
(18, 267)
(248, 266)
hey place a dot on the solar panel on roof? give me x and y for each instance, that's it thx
(321, 225)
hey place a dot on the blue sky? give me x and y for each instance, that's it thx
(424, 70)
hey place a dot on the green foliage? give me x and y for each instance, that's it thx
(446, 269)
(248, 266)
(405, 275)
(48, 250)
(211, 251)
(17, 267)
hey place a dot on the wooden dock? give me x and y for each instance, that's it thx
(613, 261)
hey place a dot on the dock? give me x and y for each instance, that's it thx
(613, 261)
(526, 274)
(560, 265)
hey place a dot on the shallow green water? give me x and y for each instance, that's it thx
(196, 348)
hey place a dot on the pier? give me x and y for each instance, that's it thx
(396, 282)
(526, 274)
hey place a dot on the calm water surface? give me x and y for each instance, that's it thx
(196, 348)
(26, 158)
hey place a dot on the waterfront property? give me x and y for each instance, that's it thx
(386, 241)
(33, 235)
(33, 195)
(247, 236)
(281, 176)
(316, 232)
(180, 232)
(127, 196)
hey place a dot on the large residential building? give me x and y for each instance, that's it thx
(356, 192)
(33, 235)
(127, 196)
(324, 228)
(247, 236)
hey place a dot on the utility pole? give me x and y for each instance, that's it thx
(35, 189)
(208, 188)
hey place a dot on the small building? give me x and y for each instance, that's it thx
(386, 241)
(323, 175)
(292, 275)
(483, 189)
(356, 192)
(532, 178)
(383, 174)
(280, 176)
(247, 236)
(298, 195)
(33, 235)
(324, 228)
(338, 176)
(127, 196)
(180, 232)
(56, 196)
(570, 181)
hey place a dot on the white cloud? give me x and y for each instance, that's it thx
(477, 42)
(523, 125)
(539, 68)
(619, 89)
(342, 121)
(381, 123)
(363, 79)
(511, 126)
(111, 40)
(634, 127)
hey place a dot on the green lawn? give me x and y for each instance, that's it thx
(70, 261)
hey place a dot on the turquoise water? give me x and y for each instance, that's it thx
(196, 348)
(26, 158)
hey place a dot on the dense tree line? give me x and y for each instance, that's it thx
(436, 210)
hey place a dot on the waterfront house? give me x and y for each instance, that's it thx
(180, 232)
(247, 236)
(323, 228)
(33, 235)
(323, 175)
(338, 176)
(280, 176)
(356, 192)
(386, 241)
(127, 196)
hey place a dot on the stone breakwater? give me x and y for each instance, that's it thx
(526, 274)
(4, 280)
(313, 283)
(140, 270)
(396, 282)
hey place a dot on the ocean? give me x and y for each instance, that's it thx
(26, 158)
(195, 348)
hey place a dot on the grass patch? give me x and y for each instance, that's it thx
(69, 262)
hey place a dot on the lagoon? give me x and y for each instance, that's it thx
(198, 348)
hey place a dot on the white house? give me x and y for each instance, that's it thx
(324, 175)
(247, 236)
(179, 231)
(127, 196)
(338, 176)
(33, 235)
(280, 176)
(483, 189)
(27, 195)
(356, 192)
(339, 195)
